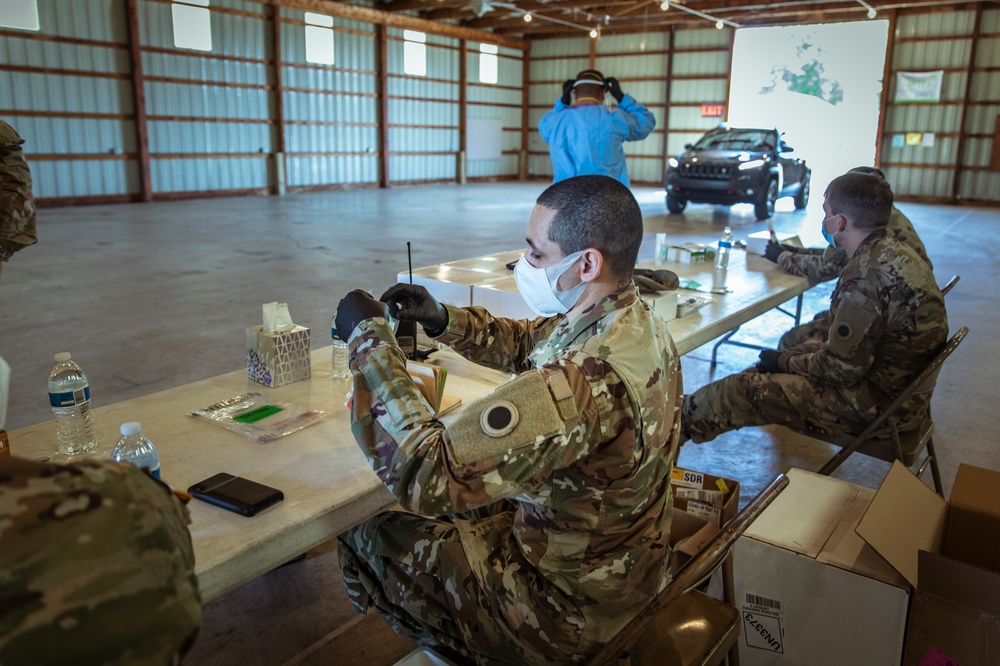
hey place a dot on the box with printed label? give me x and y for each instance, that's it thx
(809, 589)
(276, 359)
(713, 498)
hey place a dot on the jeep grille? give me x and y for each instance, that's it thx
(711, 171)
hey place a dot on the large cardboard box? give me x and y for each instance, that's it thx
(949, 552)
(810, 590)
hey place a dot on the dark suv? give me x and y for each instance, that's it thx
(731, 165)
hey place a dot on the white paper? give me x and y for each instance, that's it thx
(276, 318)
(4, 389)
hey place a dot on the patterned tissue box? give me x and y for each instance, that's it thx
(276, 359)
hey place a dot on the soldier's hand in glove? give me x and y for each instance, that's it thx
(769, 361)
(353, 309)
(612, 86)
(411, 302)
(773, 251)
(567, 96)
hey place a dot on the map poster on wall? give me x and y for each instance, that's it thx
(919, 87)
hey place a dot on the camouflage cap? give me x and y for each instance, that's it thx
(96, 567)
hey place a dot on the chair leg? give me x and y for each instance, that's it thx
(935, 472)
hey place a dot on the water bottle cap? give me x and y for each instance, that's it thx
(130, 428)
(62, 357)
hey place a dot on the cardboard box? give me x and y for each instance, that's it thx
(688, 253)
(757, 241)
(809, 588)
(689, 534)
(949, 552)
(693, 492)
(276, 359)
(665, 304)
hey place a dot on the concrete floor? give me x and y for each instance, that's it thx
(152, 296)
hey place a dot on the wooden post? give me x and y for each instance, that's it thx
(138, 98)
(592, 56)
(666, 99)
(525, 116)
(279, 102)
(890, 46)
(969, 71)
(382, 104)
(463, 84)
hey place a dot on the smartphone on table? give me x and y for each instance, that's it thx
(236, 494)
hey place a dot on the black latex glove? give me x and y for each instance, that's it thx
(567, 96)
(612, 86)
(773, 251)
(769, 361)
(353, 309)
(411, 302)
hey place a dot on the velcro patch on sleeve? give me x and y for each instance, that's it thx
(518, 414)
(850, 326)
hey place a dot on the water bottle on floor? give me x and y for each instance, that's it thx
(135, 448)
(341, 353)
(725, 246)
(69, 395)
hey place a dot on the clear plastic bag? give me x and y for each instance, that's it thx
(259, 419)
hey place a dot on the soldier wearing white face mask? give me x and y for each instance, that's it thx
(540, 517)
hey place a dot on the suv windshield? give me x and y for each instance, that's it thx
(737, 139)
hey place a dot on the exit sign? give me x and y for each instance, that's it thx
(712, 110)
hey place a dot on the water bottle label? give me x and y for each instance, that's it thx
(725, 244)
(155, 473)
(70, 398)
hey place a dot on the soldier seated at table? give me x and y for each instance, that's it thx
(887, 321)
(821, 265)
(98, 566)
(540, 517)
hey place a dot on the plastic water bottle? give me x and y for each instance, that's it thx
(725, 246)
(341, 353)
(69, 395)
(135, 448)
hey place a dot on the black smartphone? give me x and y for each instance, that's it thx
(235, 493)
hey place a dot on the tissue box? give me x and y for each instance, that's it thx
(276, 359)
(757, 241)
(689, 253)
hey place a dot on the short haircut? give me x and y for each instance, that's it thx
(869, 170)
(865, 199)
(597, 212)
(589, 90)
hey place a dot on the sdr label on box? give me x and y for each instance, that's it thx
(763, 630)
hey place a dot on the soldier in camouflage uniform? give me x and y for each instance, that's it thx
(887, 322)
(96, 566)
(821, 265)
(17, 206)
(540, 517)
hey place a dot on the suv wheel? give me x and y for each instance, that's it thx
(764, 206)
(675, 205)
(802, 198)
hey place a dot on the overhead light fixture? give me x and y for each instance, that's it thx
(872, 13)
(871, 10)
(527, 18)
(665, 6)
(593, 34)
(719, 22)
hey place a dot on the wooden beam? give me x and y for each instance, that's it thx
(139, 98)
(463, 84)
(279, 86)
(883, 109)
(666, 103)
(391, 20)
(960, 149)
(382, 104)
(525, 89)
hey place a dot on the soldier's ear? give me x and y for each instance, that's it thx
(593, 264)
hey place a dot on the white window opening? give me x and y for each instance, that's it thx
(21, 14)
(192, 24)
(319, 38)
(488, 63)
(415, 53)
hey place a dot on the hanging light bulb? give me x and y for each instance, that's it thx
(719, 24)
(665, 6)
(871, 13)
(527, 18)
(593, 34)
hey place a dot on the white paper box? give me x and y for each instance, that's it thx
(809, 589)
(276, 359)
(757, 241)
(502, 298)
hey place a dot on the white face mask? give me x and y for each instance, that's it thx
(539, 287)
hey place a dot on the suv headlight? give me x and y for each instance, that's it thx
(672, 162)
(752, 164)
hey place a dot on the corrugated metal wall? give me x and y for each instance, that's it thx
(66, 90)
(964, 119)
(700, 75)
(502, 101)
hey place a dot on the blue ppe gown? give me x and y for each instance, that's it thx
(587, 140)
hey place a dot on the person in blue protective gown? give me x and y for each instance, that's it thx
(584, 136)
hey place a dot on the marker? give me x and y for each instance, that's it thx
(770, 227)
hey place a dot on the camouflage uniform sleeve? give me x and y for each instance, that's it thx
(816, 267)
(496, 342)
(857, 323)
(434, 470)
(17, 206)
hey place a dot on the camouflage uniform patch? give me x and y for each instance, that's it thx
(96, 566)
(886, 322)
(541, 551)
(17, 206)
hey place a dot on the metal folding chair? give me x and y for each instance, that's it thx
(950, 284)
(883, 439)
(689, 627)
